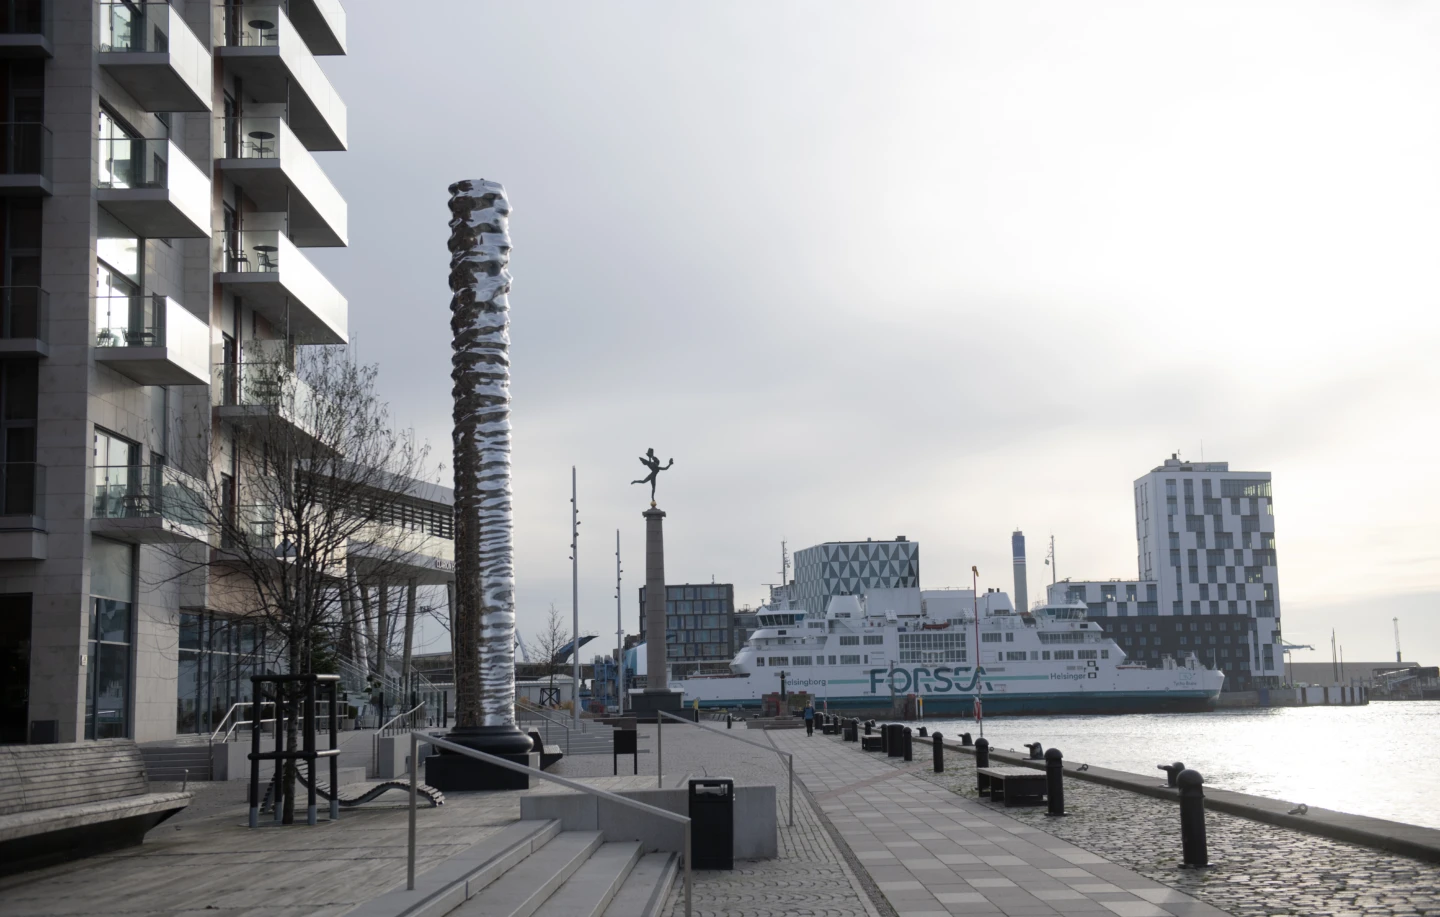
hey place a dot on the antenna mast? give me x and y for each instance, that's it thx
(1397, 639)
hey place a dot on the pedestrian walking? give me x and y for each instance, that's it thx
(809, 718)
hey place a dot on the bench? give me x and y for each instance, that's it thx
(1011, 785)
(872, 743)
(549, 754)
(63, 802)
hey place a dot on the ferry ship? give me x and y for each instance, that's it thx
(869, 650)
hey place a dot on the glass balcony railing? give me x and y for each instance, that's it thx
(24, 148)
(144, 491)
(250, 26)
(24, 17)
(249, 251)
(264, 384)
(135, 27)
(130, 321)
(134, 163)
(21, 487)
(252, 523)
(23, 312)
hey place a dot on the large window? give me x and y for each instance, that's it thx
(218, 656)
(107, 673)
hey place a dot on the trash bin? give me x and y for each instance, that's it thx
(712, 822)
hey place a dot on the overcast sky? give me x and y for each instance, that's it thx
(931, 269)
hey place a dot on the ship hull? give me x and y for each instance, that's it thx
(941, 706)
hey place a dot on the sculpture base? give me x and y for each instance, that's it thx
(451, 772)
(660, 701)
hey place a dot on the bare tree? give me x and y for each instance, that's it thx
(304, 495)
(552, 640)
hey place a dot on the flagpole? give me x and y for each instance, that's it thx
(975, 597)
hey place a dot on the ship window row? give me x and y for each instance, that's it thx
(801, 660)
(850, 640)
(1066, 637)
(874, 639)
(849, 660)
(931, 641)
(991, 637)
(932, 655)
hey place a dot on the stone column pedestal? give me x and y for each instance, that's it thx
(657, 694)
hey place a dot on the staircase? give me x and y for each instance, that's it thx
(168, 762)
(577, 874)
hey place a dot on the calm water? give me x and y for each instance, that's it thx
(1378, 760)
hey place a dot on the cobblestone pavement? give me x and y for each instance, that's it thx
(1257, 870)
(936, 853)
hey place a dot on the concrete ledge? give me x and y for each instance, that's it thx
(1382, 834)
(756, 829)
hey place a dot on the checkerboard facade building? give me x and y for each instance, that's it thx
(851, 568)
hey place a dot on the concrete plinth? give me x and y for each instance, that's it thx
(457, 773)
(646, 704)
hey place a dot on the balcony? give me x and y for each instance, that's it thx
(149, 504)
(22, 515)
(24, 317)
(25, 28)
(321, 23)
(261, 46)
(262, 391)
(264, 156)
(152, 339)
(398, 552)
(151, 187)
(266, 268)
(25, 158)
(153, 54)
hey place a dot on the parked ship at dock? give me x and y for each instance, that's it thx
(867, 651)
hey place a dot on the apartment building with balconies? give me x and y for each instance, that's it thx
(158, 190)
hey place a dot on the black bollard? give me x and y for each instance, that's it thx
(939, 748)
(1192, 818)
(895, 743)
(867, 727)
(1037, 751)
(922, 732)
(727, 721)
(982, 759)
(965, 740)
(905, 744)
(1055, 781)
(1171, 771)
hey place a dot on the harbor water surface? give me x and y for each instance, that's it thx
(1377, 760)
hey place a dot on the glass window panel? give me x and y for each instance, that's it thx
(112, 568)
(112, 684)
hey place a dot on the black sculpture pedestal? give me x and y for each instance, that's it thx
(645, 703)
(452, 772)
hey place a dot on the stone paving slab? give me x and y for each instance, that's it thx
(934, 853)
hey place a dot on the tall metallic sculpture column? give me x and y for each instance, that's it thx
(657, 695)
(484, 555)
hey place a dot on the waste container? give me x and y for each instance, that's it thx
(712, 822)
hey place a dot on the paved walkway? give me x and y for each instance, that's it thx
(933, 853)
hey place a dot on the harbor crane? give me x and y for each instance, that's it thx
(1287, 648)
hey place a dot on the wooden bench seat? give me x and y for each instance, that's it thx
(1011, 785)
(61, 802)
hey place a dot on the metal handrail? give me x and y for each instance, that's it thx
(416, 737)
(789, 758)
(541, 713)
(380, 730)
(547, 721)
(238, 723)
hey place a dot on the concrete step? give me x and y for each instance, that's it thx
(593, 886)
(525, 886)
(644, 891)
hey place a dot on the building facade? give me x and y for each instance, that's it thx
(700, 626)
(852, 568)
(158, 190)
(1205, 542)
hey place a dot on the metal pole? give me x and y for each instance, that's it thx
(410, 857)
(790, 767)
(574, 602)
(335, 748)
(659, 750)
(619, 635)
(311, 816)
(975, 599)
(687, 870)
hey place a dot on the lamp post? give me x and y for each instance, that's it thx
(574, 603)
(619, 634)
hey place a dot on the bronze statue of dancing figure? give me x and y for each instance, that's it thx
(650, 461)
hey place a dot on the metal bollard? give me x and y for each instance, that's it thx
(939, 748)
(1192, 818)
(982, 759)
(894, 741)
(1037, 751)
(922, 732)
(965, 741)
(727, 721)
(1171, 771)
(905, 744)
(867, 727)
(1055, 781)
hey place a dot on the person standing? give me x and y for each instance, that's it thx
(809, 718)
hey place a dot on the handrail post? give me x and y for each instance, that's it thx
(687, 870)
(790, 766)
(659, 749)
(414, 780)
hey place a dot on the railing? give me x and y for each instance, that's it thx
(24, 148)
(138, 491)
(130, 26)
(322, 724)
(131, 162)
(789, 758)
(417, 737)
(23, 312)
(520, 713)
(389, 728)
(248, 251)
(21, 486)
(137, 320)
(25, 17)
(250, 26)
